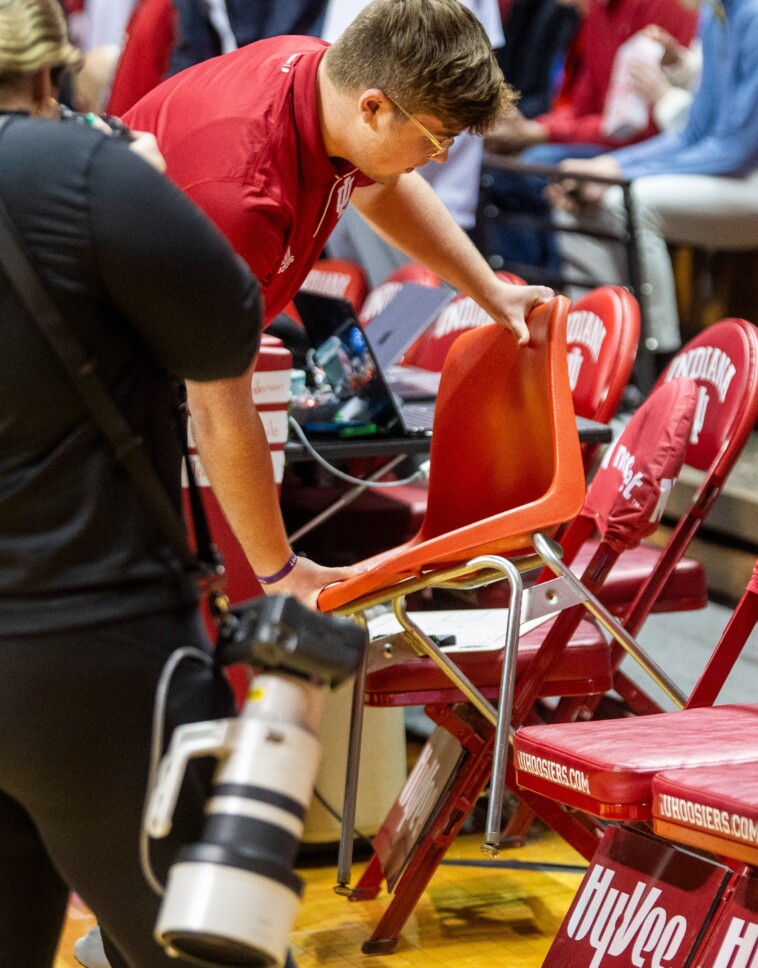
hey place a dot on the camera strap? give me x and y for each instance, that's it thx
(127, 446)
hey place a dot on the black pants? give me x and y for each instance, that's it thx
(75, 728)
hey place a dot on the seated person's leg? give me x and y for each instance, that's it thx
(597, 262)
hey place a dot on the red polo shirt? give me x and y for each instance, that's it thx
(241, 136)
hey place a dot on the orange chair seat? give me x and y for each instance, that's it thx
(712, 807)
(584, 667)
(607, 767)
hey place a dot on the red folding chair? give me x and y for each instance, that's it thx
(462, 482)
(603, 334)
(693, 772)
(714, 809)
(723, 360)
(607, 768)
(339, 278)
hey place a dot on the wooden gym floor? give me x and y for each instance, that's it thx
(480, 918)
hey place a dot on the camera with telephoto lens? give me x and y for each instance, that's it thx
(231, 898)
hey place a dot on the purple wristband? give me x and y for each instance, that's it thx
(278, 575)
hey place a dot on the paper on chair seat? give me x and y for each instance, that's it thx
(473, 628)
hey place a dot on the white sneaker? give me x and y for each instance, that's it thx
(89, 952)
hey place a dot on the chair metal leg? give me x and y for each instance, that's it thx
(611, 624)
(345, 857)
(505, 708)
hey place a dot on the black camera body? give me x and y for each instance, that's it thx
(279, 632)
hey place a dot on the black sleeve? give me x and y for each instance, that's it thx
(169, 270)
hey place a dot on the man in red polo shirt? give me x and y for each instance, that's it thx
(273, 141)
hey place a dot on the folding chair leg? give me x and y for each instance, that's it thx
(638, 701)
(345, 857)
(469, 783)
(370, 882)
(519, 824)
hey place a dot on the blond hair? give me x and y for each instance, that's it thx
(431, 56)
(33, 35)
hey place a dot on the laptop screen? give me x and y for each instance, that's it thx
(360, 400)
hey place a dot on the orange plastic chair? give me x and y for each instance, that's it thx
(504, 463)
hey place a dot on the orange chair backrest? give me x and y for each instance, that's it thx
(500, 423)
(602, 338)
(505, 457)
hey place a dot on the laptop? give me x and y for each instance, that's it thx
(392, 331)
(410, 312)
(362, 402)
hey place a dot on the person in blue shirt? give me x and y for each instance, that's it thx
(697, 186)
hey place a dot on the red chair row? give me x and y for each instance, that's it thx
(692, 774)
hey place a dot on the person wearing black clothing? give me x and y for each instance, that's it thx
(92, 599)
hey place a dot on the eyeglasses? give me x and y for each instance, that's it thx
(440, 147)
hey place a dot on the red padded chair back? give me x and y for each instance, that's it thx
(628, 494)
(430, 350)
(625, 502)
(463, 314)
(337, 277)
(602, 337)
(511, 277)
(723, 359)
(414, 272)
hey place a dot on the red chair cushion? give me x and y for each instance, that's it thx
(614, 762)
(721, 801)
(583, 668)
(685, 589)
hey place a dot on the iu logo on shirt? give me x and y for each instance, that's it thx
(287, 260)
(343, 194)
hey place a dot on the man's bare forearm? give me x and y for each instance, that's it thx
(232, 445)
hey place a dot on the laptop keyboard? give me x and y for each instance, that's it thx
(419, 416)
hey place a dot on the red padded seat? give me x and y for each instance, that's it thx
(711, 807)
(607, 767)
(685, 588)
(421, 681)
